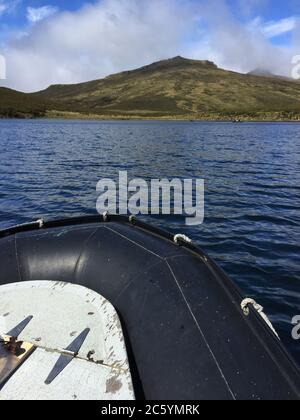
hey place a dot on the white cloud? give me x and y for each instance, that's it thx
(281, 27)
(273, 29)
(99, 39)
(7, 6)
(249, 8)
(36, 14)
(114, 35)
(3, 6)
(238, 47)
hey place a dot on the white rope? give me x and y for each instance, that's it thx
(40, 222)
(245, 307)
(183, 238)
(105, 216)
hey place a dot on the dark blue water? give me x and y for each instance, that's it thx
(252, 175)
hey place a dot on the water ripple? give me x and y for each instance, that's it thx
(252, 176)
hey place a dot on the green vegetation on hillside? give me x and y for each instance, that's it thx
(174, 89)
(20, 105)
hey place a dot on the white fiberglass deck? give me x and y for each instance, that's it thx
(79, 349)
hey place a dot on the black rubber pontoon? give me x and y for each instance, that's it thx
(186, 333)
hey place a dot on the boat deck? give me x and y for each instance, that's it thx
(186, 334)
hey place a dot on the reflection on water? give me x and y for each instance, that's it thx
(252, 176)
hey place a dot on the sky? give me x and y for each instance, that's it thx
(48, 42)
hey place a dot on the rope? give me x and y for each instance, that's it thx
(132, 219)
(183, 238)
(40, 222)
(105, 216)
(245, 307)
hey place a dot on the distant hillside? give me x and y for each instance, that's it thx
(261, 72)
(176, 88)
(20, 105)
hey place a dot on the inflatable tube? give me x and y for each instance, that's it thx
(190, 334)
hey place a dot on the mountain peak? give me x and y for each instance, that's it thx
(174, 62)
(178, 58)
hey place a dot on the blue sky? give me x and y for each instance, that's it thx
(67, 41)
(272, 10)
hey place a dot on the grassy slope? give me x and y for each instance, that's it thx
(177, 88)
(20, 105)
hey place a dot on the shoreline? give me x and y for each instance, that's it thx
(149, 119)
(213, 117)
(263, 117)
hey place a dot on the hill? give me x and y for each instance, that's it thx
(261, 72)
(15, 104)
(176, 88)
